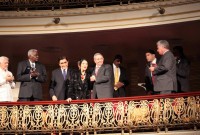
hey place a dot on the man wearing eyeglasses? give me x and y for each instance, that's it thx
(31, 74)
(60, 81)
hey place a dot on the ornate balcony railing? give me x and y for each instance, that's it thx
(90, 116)
(60, 4)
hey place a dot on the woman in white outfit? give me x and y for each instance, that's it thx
(6, 80)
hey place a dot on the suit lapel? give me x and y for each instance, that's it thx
(68, 74)
(60, 73)
(100, 69)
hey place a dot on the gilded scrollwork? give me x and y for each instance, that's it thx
(91, 117)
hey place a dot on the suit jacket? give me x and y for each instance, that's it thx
(122, 78)
(183, 72)
(104, 84)
(165, 73)
(30, 86)
(58, 86)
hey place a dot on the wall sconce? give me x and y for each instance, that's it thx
(56, 20)
(161, 10)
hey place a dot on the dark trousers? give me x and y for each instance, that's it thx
(29, 99)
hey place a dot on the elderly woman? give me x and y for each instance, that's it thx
(6, 80)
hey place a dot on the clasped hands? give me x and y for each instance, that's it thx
(34, 73)
(118, 85)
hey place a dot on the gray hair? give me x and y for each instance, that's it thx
(3, 58)
(30, 52)
(97, 54)
(163, 43)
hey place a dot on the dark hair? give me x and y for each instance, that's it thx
(150, 51)
(178, 48)
(81, 60)
(61, 58)
(119, 57)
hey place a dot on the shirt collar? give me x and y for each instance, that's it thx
(154, 61)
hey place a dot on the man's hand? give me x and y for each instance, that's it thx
(54, 98)
(152, 69)
(118, 85)
(69, 100)
(92, 78)
(9, 78)
(34, 74)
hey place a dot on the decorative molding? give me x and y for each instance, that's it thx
(96, 10)
(99, 18)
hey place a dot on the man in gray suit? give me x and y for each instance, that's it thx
(31, 74)
(60, 81)
(165, 71)
(103, 78)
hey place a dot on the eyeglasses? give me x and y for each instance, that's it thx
(63, 62)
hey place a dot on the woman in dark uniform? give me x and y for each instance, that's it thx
(81, 84)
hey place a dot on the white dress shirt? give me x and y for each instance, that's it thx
(5, 87)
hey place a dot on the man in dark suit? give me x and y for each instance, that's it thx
(182, 69)
(31, 74)
(120, 78)
(165, 71)
(102, 77)
(60, 81)
(151, 61)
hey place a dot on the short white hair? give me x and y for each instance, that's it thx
(163, 43)
(96, 54)
(3, 58)
(30, 52)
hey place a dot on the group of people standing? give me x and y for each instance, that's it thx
(162, 76)
(168, 74)
(79, 84)
(104, 81)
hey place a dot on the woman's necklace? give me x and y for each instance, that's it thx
(82, 75)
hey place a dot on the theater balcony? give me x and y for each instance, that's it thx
(158, 113)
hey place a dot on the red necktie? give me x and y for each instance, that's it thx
(96, 70)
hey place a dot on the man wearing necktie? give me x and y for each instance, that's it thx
(61, 81)
(120, 78)
(149, 77)
(102, 77)
(31, 74)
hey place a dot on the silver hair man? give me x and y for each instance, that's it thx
(31, 51)
(163, 43)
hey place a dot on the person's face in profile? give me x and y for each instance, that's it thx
(117, 62)
(150, 57)
(4, 64)
(63, 63)
(34, 56)
(160, 49)
(98, 59)
(84, 65)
